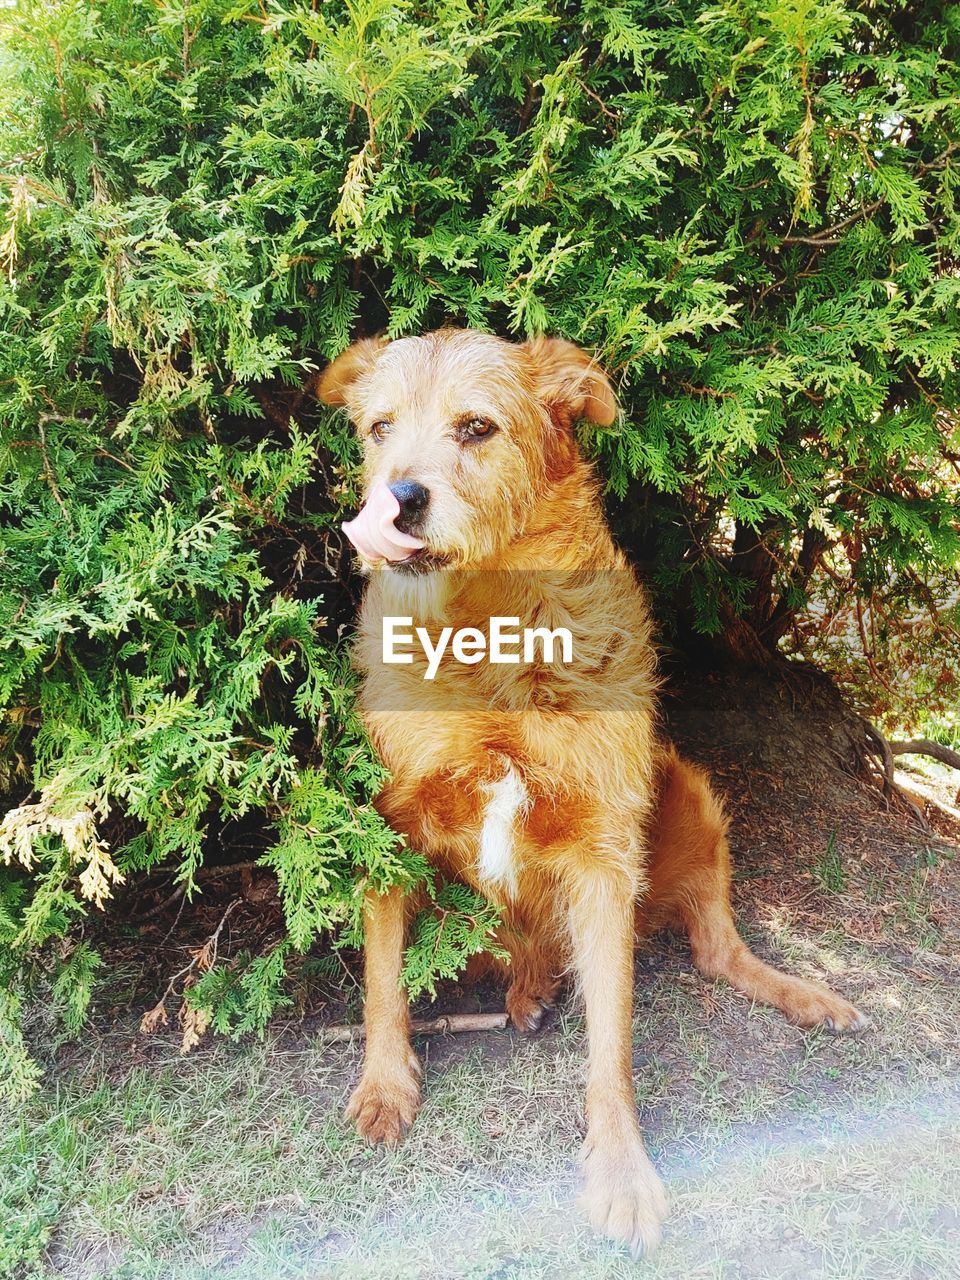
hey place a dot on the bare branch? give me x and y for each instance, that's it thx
(880, 747)
(203, 958)
(824, 238)
(925, 747)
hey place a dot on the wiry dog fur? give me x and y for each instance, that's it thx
(546, 787)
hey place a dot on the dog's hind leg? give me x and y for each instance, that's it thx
(531, 993)
(536, 958)
(689, 875)
(387, 1099)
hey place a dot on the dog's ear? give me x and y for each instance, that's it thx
(333, 386)
(569, 382)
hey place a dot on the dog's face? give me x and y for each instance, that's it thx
(462, 433)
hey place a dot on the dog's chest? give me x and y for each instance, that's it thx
(465, 807)
(506, 801)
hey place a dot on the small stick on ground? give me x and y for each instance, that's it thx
(205, 873)
(452, 1023)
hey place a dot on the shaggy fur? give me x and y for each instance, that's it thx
(546, 787)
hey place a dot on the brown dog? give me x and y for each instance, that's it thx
(543, 784)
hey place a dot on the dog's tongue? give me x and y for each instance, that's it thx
(374, 533)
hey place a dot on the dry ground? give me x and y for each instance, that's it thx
(788, 1155)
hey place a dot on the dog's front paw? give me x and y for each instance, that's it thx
(623, 1195)
(384, 1107)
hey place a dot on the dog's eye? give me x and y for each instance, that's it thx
(379, 430)
(476, 429)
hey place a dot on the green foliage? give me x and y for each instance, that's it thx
(452, 927)
(243, 996)
(828, 868)
(748, 210)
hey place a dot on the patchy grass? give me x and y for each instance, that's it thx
(828, 869)
(236, 1164)
(267, 1188)
(787, 1154)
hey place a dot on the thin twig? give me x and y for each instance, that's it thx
(215, 873)
(207, 954)
(607, 111)
(211, 942)
(205, 873)
(176, 921)
(825, 237)
(113, 458)
(161, 907)
(48, 469)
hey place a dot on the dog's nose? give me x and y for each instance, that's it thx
(413, 499)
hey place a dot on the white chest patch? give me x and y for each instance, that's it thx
(496, 864)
